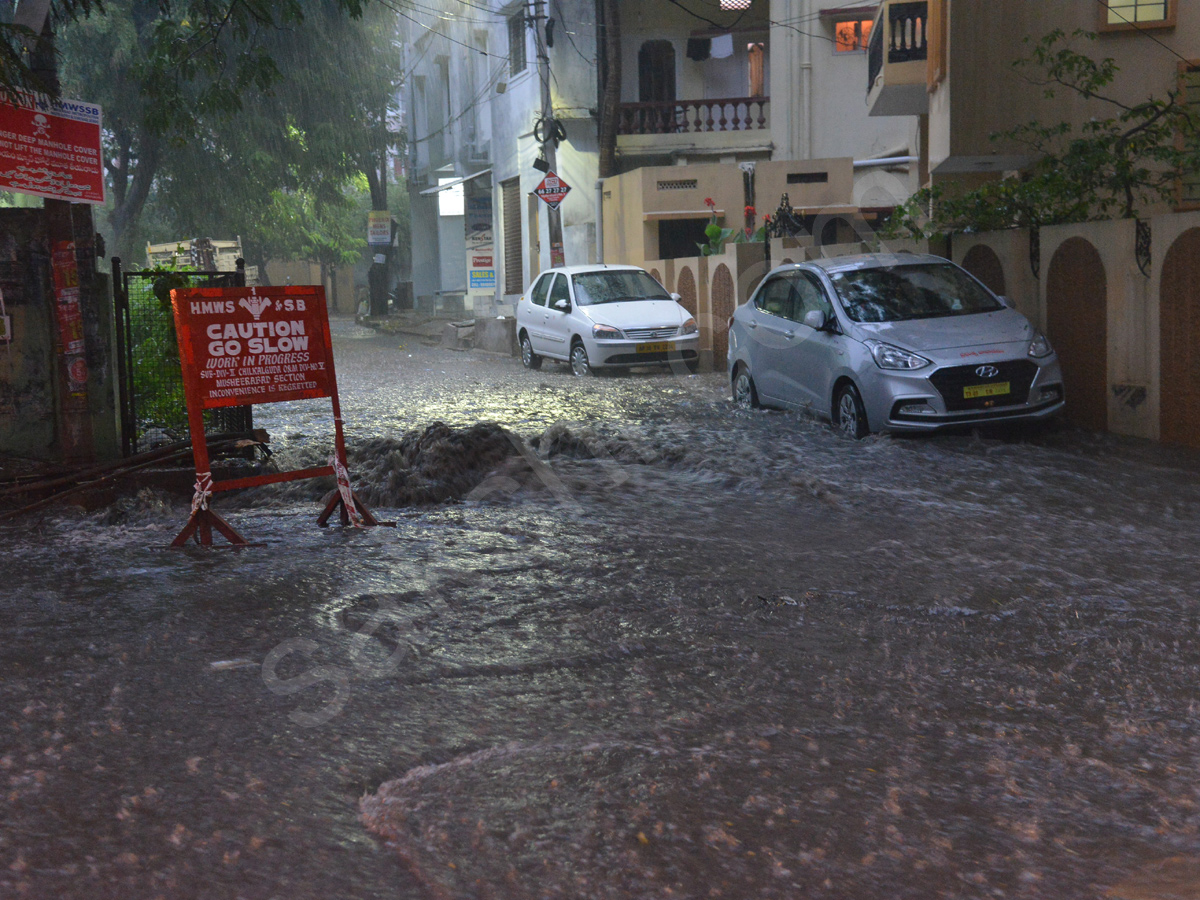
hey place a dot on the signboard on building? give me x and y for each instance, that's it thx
(481, 259)
(379, 228)
(51, 148)
(553, 190)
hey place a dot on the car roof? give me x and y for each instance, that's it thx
(874, 261)
(595, 267)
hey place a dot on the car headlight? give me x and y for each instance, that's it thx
(888, 356)
(1039, 346)
(688, 327)
(607, 333)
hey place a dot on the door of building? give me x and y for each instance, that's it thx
(1179, 332)
(1077, 325)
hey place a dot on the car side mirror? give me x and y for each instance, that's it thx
(815, 319)
(564, 305)
(676, 297)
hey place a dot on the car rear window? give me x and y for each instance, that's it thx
(922, 291)
(611, 287)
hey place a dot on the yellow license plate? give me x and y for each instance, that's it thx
(659, 347)
(986, 390)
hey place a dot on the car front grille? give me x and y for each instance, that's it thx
(950, 382)
(651, 334)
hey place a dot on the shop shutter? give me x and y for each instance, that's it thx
(513, 276)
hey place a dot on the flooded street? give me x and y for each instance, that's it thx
(662, 647)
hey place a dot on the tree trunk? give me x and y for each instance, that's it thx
(132, 195)
(608, 41)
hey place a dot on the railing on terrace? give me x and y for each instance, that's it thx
(692, 116)
(906, 27)
(907, 22)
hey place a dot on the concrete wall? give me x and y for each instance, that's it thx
(283, 272)
(1012, 249)
(1132, 303)
(982, 94)
(32, 375)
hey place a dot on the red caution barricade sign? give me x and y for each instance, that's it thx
(243, 346)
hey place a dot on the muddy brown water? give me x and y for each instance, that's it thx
(680, 650)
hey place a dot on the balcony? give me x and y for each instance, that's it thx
(696, 126)
(896, 76)
(694, 116)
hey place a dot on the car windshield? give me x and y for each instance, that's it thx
(611, 287)
(923, 291)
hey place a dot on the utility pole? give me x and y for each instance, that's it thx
(549, 128)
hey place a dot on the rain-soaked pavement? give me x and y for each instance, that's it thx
(677, 650)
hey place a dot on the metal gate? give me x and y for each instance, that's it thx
(153, 409)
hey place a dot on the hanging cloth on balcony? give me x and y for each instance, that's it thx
(722, 46)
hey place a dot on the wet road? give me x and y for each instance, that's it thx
(691, 651)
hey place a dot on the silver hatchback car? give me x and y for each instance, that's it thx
(890, 342)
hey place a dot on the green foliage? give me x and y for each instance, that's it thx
(1109, 167)
(717, 236)
(214, 111)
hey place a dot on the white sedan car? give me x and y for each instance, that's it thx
(602, 316)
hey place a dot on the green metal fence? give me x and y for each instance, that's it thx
(153, 407)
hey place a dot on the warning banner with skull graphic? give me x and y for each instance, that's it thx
(240, 346)
(51, 148)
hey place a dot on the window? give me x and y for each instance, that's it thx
(777, 298)
(1118, 15)
(538, 295)
(560, 291)
(1189, 87)
(852, 36)
(810, 296)
(679, 237)
(516, 43)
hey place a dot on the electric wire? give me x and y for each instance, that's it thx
(475, 101)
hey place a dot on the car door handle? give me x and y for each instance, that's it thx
(752, 324)
(789, 334)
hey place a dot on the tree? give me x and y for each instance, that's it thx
(1107, 167)
(314, 143)
(196, 89)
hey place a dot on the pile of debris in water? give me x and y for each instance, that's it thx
(436, 465)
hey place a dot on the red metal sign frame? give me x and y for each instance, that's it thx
(272, 344)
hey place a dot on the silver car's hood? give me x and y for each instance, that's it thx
(636, 313)
(1005, 326)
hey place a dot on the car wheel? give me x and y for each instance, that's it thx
(745, 394)
(529, 359)
(579, 361)
(849, 416)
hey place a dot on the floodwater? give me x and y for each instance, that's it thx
(662, 647)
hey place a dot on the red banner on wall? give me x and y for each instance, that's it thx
(51, 148)
(241, 346)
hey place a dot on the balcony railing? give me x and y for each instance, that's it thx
(692, 116)
(907, 31)
(906, 38)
